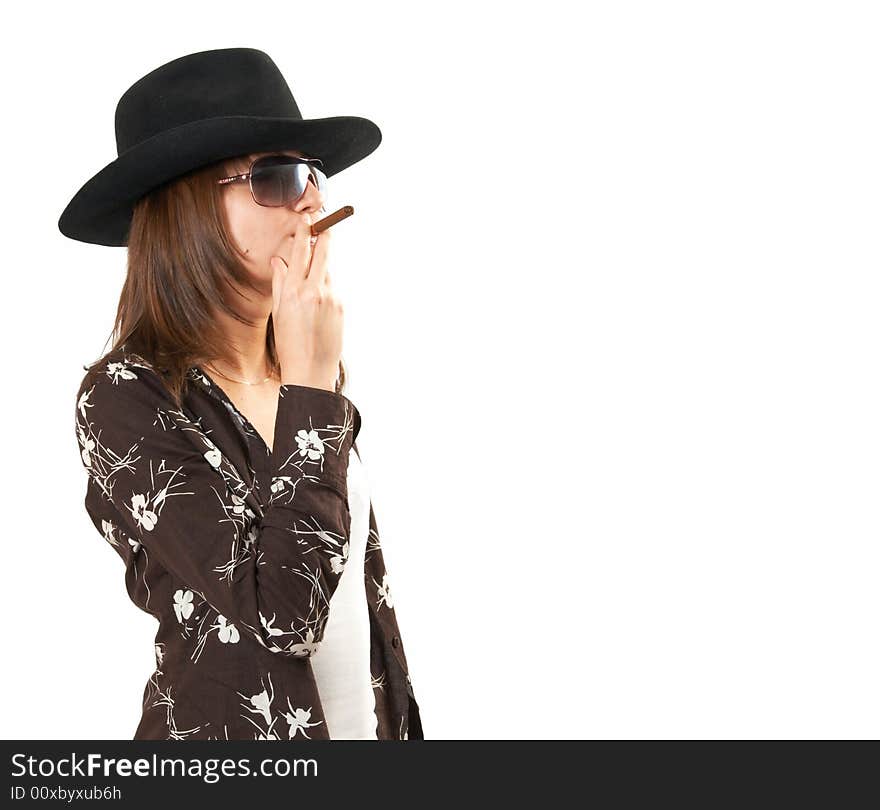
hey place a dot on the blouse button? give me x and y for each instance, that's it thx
(395, 641)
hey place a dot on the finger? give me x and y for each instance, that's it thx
(318, 266)
(301, 249)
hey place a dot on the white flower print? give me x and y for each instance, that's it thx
(337, 561)
(135, 545)
(272, 631)
(213, 456)
(86, 442)
(120, 370)
(384, 591)
(107, 529)
(262, 704)
(146, 518)
(183, 604)
(227, 633)
(238, 505)
(279, 482)
(81, 404)
(298, 720)
(310, 444)
(307, 647)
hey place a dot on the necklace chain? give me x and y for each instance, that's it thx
(242, 382)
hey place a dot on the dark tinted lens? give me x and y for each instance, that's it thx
(321, 180)
(278, 180)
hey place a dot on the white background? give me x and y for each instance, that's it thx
(611, 296)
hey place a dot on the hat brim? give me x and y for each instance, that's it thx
(100, 212)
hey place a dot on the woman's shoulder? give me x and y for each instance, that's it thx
(126, 372)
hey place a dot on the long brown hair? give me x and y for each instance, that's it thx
(181, 259)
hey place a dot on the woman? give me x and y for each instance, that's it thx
(219, 447)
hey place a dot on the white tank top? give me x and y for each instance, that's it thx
(341, 663)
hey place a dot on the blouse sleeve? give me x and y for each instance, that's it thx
(170, 489)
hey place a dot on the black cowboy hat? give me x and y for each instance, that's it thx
(195, 110)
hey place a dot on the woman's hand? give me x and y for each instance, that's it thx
(307, 317)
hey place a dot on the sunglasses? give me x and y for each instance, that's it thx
(280, 179)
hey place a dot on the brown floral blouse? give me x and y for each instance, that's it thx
(236, 549)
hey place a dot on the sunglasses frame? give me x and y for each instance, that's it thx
(236, 178)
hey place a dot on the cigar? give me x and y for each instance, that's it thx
(336, 216)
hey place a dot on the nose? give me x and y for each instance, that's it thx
(311, 200)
